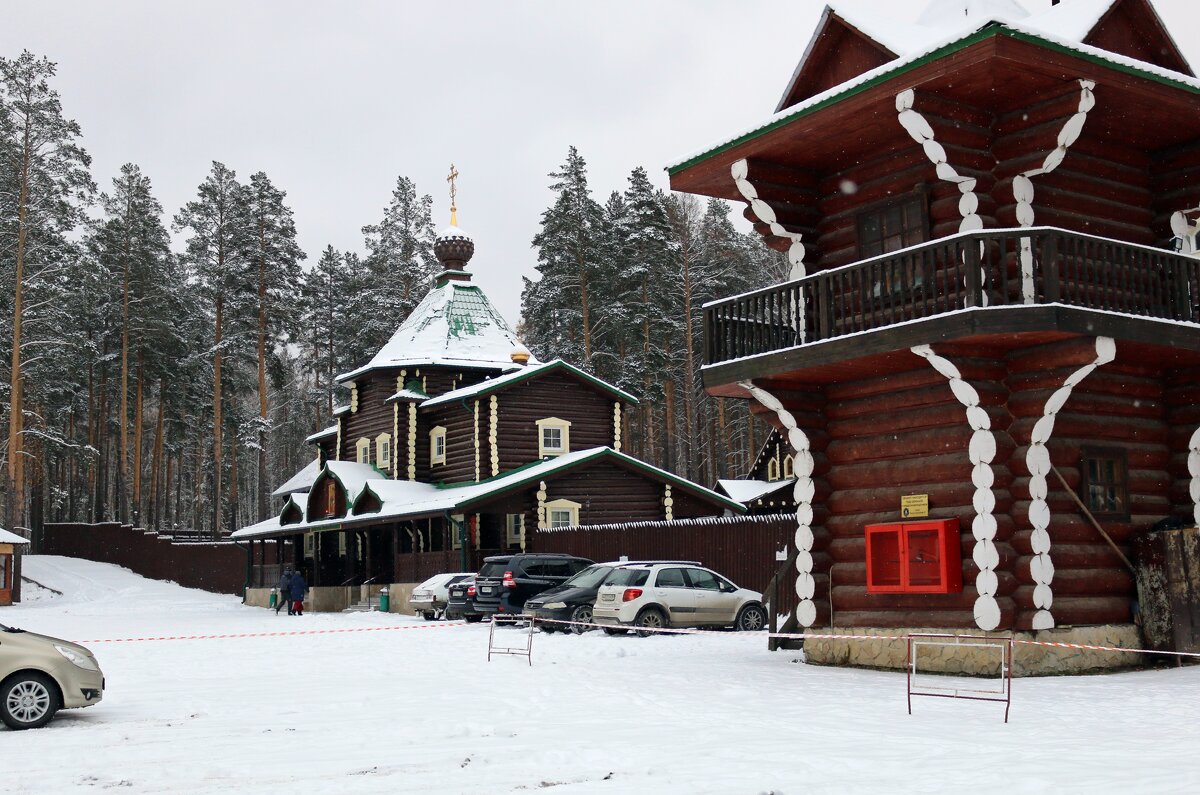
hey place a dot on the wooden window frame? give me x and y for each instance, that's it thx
(362, 450)
(1089, 454)
(512, 530)
(919, 196)
(383, 450)
(562, 506)
(563, 426)
(435, 434)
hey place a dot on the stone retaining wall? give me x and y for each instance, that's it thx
(1027, 660)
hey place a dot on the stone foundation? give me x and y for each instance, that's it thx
(1027, 660)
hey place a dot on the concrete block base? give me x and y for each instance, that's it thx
(1027, 660)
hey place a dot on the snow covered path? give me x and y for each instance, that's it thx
(423, 711)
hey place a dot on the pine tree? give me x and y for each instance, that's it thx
(557, 309)
(400, 265)
(276, 259)
(217, 254)
(44, 184)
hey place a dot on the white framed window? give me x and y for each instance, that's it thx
(515, 523)
(458, 528)
(363, 450)
(787, 466)
(554, 437)
(773, 469)
(437, 445)
(383, 450)
(562, 513)
(309, 545)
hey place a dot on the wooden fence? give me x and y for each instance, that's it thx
(742, 548)
(217, 566)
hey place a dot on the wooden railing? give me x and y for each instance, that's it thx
(973, 269)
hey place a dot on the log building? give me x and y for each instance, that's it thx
(994, 312)
(456, 444)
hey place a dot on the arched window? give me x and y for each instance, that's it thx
(363, 450)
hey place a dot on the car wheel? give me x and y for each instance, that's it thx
(651, 618)
(614, 631)
(428, 615)
(27, 701)
(581, 618)
(751, 619)
(471, 619)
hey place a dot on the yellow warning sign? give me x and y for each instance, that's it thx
(914, 506)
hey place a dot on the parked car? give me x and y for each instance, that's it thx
(572, 601)
(659, 595)
(39, 675)
(505, 582)
(431, 597)
(459, 601)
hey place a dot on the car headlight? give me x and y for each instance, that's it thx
(554, 605)
(77, 659)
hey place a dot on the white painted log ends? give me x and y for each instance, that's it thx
(804, 490)
(1037, 460)
(981, 451)
(1023, 185)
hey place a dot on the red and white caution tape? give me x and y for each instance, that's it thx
(445, 625)
(823, 636)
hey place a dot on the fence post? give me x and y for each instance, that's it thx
(971, 278)
(1050, 275)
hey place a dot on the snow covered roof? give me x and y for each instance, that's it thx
(454, 325)
(11, 538)
(524, 374)
(403, 498)
(408, 394)
(353, 476)
(322, 434)
(746, 491)
(302, 480)
(1065, 25)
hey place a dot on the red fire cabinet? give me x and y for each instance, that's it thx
(914, 557)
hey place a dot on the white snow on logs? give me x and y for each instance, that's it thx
(1037, 460)
(805, 491)
(1194, 471)
(981, 450)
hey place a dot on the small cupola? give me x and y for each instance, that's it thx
(520, 355)
(453, 247)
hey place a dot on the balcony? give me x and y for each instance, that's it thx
(979, 270)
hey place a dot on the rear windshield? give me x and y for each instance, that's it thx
(494, 568)
(591, 577)
(628, 577)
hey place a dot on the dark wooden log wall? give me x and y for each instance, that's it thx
(1119, 405)
(879, 439)
(609, 493)
(459, 421)
(1176, 185)
(373, 417)
(520, 407)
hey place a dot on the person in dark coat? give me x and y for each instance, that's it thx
(285, 592)
(298, 588)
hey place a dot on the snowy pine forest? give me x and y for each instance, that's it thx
(163, 366)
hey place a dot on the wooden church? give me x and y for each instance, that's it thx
(986, 361)
(457, 444)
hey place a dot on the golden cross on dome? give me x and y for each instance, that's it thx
(453, 192)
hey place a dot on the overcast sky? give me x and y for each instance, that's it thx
(335, 100)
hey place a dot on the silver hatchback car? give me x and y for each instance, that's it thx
(40, 675)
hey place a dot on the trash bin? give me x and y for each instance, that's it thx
(273, 599)
(385, 602)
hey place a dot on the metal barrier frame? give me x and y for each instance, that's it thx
(1003, 644)
(515, 651)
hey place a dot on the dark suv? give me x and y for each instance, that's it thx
(506, 581)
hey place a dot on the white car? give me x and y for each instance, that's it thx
(430, 597)
(657, 595)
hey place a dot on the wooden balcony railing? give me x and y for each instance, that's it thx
(972, 269)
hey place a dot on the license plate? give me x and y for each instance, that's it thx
(485, 590)
(608, 597)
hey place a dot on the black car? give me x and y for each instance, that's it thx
(505, 582)
(572, 601)
(459, 604)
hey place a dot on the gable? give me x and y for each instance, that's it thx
(1134, 29)
(836, 53)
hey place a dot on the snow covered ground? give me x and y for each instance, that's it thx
(422, 710)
